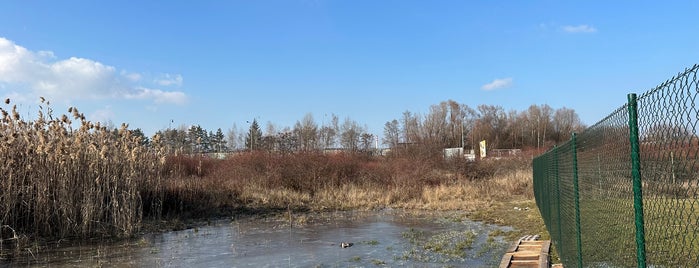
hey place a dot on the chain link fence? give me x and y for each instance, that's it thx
(624, 192)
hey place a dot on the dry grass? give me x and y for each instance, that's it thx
(472, 195)
(58, 181)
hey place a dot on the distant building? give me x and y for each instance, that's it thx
(453, 153)
(470, 155)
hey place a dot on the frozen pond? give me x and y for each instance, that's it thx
(379, 238)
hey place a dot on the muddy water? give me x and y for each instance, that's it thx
(379, 238)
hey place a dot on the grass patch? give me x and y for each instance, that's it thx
(443, 247)
(524, 222)
(370, 242)
(414, 235)
(378, 262)
(453, 244)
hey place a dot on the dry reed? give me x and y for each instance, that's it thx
(59, 181)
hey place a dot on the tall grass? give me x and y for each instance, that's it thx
(59, 181)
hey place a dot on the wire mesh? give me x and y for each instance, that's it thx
(668, 118)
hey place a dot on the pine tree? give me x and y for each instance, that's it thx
(254, 136)
(219, 141)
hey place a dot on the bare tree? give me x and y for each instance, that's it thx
(307, 133)
(350, 133)
(391, 133)
(469, 123)
(435, 125)
(539, 121)
(455, 124)
(366, 140)
(271, 129)
(286, 141)
(234, 138)
(565, 122)
(490, 125)
(411, 127)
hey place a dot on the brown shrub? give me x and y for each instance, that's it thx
(341, 181)
(188, 165)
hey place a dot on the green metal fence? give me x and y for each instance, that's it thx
(625, 191)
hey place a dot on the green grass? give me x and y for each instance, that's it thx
(370, 242)
(440, 247)
(608, 232)
(671, 231)
(453, 243)
(524, 222)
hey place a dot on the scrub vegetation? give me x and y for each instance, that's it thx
(317, 181)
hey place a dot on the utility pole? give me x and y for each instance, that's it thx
(462, 134)
(537, 132)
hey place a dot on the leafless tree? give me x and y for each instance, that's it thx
(328, 133)
(350, 133)
(435, 125)
(410, 127)
(366, 141)
(539, 122)
(565, 122)
(306, 132)
(391, 133)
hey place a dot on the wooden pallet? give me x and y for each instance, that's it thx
(529, 251)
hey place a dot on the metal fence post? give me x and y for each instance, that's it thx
(637, 186)
(576, 191)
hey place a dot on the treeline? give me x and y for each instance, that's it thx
(450, 124)
(194, 139)
(447, 124)
(305, 135)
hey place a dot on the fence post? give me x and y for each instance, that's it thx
(637, 186)
(576, 190)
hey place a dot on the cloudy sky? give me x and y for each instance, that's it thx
(157, 64)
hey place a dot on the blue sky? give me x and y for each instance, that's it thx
(156, 64)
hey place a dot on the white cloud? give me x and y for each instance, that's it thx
(583, 28)
(158, 95)
(169, 80)
(77, 77)
(133, 77)
(498, 83)
(40, 73)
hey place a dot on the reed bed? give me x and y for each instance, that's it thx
(58, 181)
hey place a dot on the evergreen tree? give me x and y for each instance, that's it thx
(254, 136)
(218, 141)
(139, 133)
